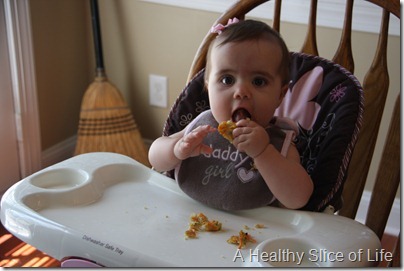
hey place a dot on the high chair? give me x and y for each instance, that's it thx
(337, 144)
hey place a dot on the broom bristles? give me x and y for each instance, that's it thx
(107, 125)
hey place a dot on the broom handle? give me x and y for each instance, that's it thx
(95, 18)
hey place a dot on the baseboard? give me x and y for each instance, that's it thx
(393, 223)
(59, 152)
(65, 150)
(147, 142)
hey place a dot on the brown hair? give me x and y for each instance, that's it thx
(252, 30)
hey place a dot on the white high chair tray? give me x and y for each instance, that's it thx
(110, 209)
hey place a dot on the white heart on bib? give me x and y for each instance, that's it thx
(245, 175)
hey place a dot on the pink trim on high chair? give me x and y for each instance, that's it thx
(78, 262)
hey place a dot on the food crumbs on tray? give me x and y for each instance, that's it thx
(241, 239)
(246, 227)
(260, 226)
(191, 233)
(200, 222)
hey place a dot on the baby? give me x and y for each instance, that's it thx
(247, 76)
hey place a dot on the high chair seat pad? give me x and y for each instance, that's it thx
(326, 100)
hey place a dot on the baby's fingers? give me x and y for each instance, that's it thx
(204, 129)
(244, 123)
(191, 144)
(199, 133)
(182, 149)
(205, 149)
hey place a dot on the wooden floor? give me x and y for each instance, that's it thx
(15, 253)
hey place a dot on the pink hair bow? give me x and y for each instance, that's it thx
(219, 27)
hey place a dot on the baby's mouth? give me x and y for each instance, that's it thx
(239, 114)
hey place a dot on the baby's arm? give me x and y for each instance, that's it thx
(166, 152)
(285, 176)
(287, 179)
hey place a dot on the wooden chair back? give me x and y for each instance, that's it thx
(375, 85)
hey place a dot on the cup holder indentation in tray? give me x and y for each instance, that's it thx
(63, 178)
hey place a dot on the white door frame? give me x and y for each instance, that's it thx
(21, 53)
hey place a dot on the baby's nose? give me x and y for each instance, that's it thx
(242, 92)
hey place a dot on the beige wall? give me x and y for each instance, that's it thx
(63, 63)
(140, 39)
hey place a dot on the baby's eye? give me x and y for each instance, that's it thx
(259, 82)
(227, 80)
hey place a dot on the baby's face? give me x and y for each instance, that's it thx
(245, 75)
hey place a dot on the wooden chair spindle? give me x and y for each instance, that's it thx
(343, 56)
(277, 15)
(310, 43)
(388, 177)
(376, 85)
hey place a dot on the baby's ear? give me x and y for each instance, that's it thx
(205, 81)
(205, 86)
(284, 89)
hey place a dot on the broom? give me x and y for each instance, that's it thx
(106, 123)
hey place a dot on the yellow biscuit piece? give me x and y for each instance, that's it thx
(226, 128)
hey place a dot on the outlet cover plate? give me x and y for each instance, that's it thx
(158, 90)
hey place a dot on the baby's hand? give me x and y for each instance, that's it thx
(191, 144)
(249, 137)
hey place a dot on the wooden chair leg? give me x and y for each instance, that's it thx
(396, 262)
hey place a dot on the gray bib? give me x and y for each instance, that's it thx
(225, 179)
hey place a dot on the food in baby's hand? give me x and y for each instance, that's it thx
(226, 128)
(241, 239)
(200, 222)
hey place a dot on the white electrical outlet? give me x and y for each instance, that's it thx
(158, 90)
